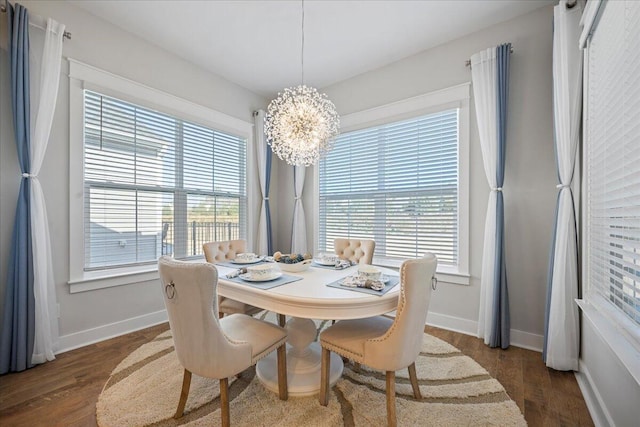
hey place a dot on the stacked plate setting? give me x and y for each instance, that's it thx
(261, 273)
(246, 258)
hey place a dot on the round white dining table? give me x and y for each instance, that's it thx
(304, 300)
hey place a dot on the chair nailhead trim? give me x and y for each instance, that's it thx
(342, 351)
(399, 311)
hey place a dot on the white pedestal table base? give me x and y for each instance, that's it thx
(303, 362)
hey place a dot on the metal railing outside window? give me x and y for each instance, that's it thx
(155, 184)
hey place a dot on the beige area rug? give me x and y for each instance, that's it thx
(144, 389)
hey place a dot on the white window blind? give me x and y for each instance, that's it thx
(155, 184)
(397, 184)
(613, 159)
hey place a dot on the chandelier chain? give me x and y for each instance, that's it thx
(301, 123)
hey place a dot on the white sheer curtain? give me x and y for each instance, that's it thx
(263, 157)
(299, 231)
(45, 56)
(483, 69)
(562, 334)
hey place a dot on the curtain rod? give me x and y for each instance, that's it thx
(570, 5)
(467, 63)
(65, 35)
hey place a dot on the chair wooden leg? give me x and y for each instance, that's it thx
(220, 315)
(282, 320)
(283, 388)
(184, 394)
(224, 402)
(324, 377)
(391, 399)
(414, 381)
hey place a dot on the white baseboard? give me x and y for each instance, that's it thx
(592, 397)
(527, 340)
(470, 327)
(451, 323)
(457, 324)
(111, 330)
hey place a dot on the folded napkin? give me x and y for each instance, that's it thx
(236, 273)
(361, 282)
(344, 263)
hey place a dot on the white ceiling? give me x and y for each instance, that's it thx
(257, 44)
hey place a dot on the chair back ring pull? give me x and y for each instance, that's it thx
(170, 290)
(434, 283)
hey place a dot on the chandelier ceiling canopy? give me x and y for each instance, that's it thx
(301, 123)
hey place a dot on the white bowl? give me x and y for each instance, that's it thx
(246, 256)
(295, 268)
(327, 258)
(262, 270)
(369, 272)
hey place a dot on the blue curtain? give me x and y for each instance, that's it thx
(18, 326)
(501, 321)
(266, 201)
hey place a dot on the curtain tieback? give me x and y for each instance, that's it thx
(298, 198)
(563, 186)
(496, 188)
(28, 175)
(265, 198)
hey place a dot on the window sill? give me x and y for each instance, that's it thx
(108, 278)
(444, 274)
(614, 336)
(92, 280)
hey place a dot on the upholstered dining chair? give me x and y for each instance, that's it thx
(208, 346)
(359, 251)
(226, 251)
(383, 343)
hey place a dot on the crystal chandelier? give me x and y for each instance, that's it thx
(301, 123)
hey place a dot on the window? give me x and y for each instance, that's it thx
(156, 185)
(398, 182)
(150, 174)
(612, 155)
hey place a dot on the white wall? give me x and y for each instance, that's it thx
(530, 179)
(105, 46)
(610, 391)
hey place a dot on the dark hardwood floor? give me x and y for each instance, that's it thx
(64, 392)
(546, 397)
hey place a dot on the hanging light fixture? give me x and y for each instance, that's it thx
(301, 123)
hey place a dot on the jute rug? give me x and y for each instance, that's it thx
(144, 390)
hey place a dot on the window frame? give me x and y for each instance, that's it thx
(83, 76)
(432, 102)
(617, 330)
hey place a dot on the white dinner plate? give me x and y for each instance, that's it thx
(248, 278)
(246, 261)
(320, 262)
